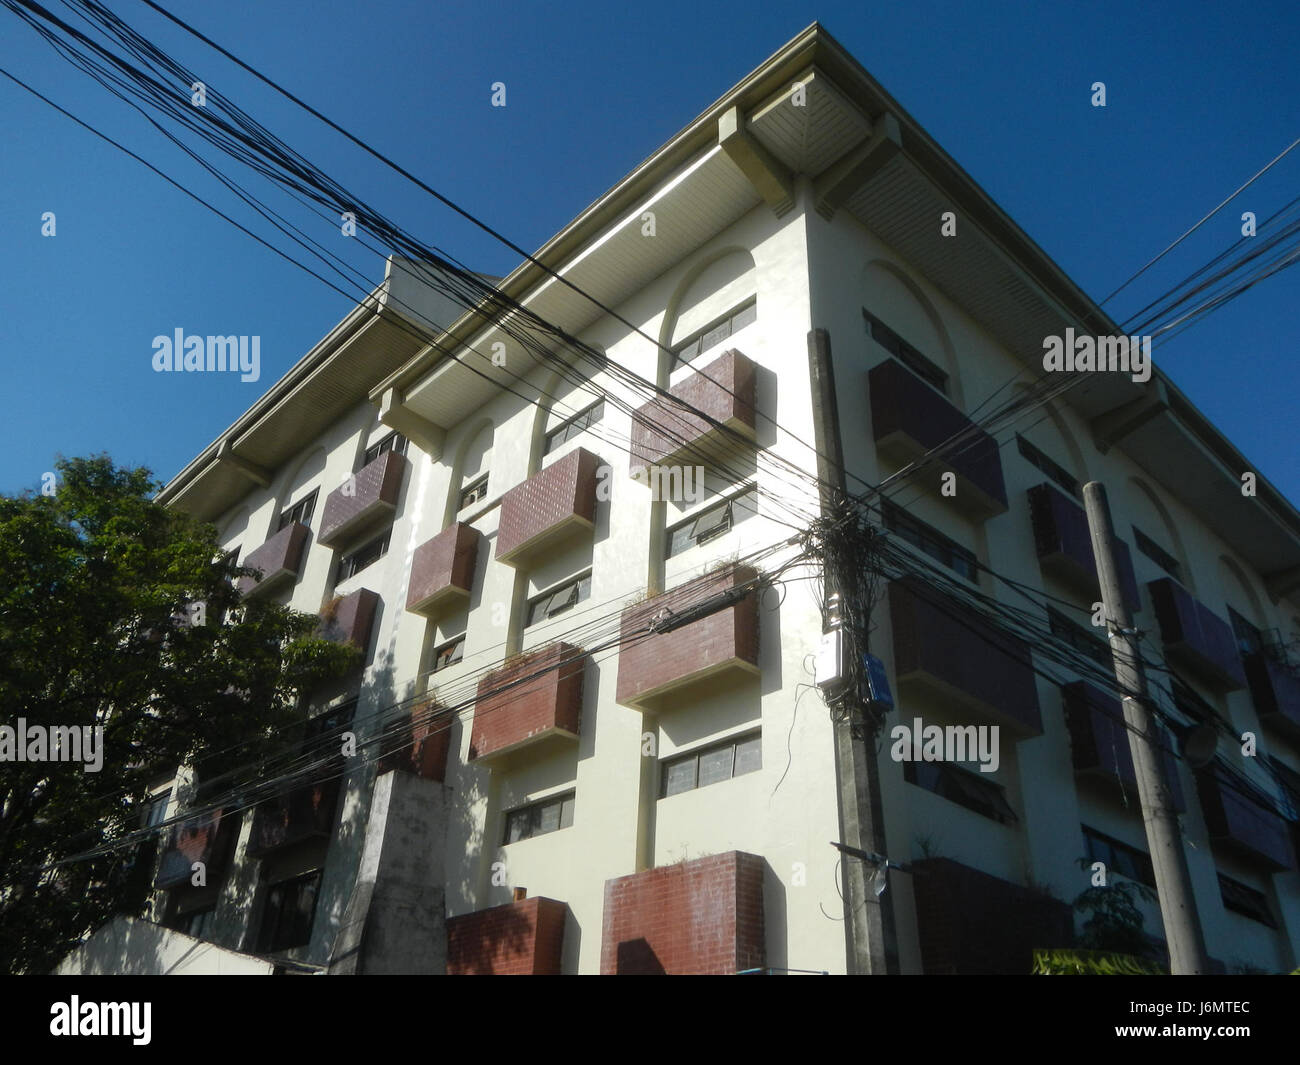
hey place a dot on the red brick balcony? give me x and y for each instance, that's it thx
(294, 816)
(516, 708)
(1064, 545)
(518, 939)
(1195, 637)
(909, 418)
(1239, 820)
(726, 641)
(350, 513)
(941, 646)
(667, 430)
(551, 506)
(208, 838)
(277, 559)
(974, 924)
(442, 571)
(700, 917)
(348, 618)
(418, 743)
(1275, 690)
(1099, 742)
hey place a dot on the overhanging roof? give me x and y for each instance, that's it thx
(865, 155)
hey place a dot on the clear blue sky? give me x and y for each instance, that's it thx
(1199, 97)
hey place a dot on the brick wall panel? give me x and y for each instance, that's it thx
(655, 664)
(508, 714)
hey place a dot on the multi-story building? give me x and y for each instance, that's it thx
(593, 779)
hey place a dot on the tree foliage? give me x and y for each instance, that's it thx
(97, 628)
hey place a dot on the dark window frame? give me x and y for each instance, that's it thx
(931, 542)
(693, 757)
(530, 818)
(574, 426)
(1245, 900)
(394, 441)
(1249, 637)
(1157, 554)
(155, 808)
(351, 564)
(322, 731)
(1119, 857)
(1055, 472)
(921, 365)
(287, 933)
(474, 492)
(676, 544)
(1080, 638)
(301, 511)
(578, 590)
(703, 340)
(965, 788)
(455, 646)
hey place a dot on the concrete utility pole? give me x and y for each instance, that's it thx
(1173, 881)
(872, 941)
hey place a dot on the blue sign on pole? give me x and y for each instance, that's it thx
(878, 682)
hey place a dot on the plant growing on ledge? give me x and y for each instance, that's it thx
(99, 629)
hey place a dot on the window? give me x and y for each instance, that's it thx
(1249, 639)
(325, 730)
(558, 600)
(536, 819)
(1245, 900)
(1053, 470)
(931, 541)
(1196, 708)
(197, 923)
(1157, 554)
(1079, 638)
(904, 352)
(1118, 857)
(394, 441)
(579, 423)
(712, 335)
(1288, 782)
(288, 913)
(963, 787)
(300, 512)
(711, 765)
(473, 492)
(351, 565)
(716, 521)
(155, 810)
(448, 654)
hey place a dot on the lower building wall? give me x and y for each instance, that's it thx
(140, 948)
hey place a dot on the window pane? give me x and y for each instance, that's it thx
(716, 335)
(749, 755)
(549, 817)
(566, 812)
(716, 765)
(679, 776)
(744, 317)
(712, 523)
(516, 826)
(680, 539)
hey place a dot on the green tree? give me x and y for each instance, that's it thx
(98, 628)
